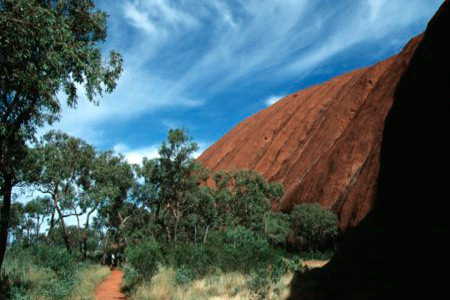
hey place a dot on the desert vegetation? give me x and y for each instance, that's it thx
(167, 220)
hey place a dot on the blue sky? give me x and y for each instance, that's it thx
(205, 65)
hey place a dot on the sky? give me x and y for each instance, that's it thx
(206, 65)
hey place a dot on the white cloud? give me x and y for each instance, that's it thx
(272, 100)
(138, 19)
(135, 156)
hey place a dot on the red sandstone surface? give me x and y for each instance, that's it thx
(321, 143)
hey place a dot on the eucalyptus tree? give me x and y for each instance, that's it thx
(37, 210)
(245, 198)
(115, 178)
(46, 47)
(63, 169)
(104, 194)
(168, 181)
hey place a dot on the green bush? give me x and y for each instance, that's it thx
(144, 258)
(278, 227)
(238, 249)
(39, 272)
(195, 257)
(315, 228)
(184, 275)
(55, 258)
(131, 278)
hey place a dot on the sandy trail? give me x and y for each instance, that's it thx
(314, 263)
(109, 289)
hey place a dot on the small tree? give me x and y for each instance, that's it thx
(244, 198)
(168, 181)
(315, 228)
(37, 210)
(63, 163)
(114, 179)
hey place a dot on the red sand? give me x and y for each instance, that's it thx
(109, 289)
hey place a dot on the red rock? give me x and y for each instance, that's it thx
(322, 143)
(390, 253)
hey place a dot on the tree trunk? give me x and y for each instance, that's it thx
(85, 234)
(52, 223)
(63, 226)
(80, 234)
(4, 216)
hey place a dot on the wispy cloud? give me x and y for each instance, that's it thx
(138, 19)
(157, 16)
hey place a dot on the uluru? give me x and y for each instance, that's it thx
(321, 143)
(384, 255)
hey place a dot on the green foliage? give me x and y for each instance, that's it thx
(194, 256)
(184, 275)
(168, 184)
(241, 249)
(55, 258)
(26, 276)
(144, 258)
(278, 227)
(58, 41)
(46, 47)
(315, 228)
(244, 198)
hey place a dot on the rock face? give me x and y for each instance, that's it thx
(381, 257)
(322, 143)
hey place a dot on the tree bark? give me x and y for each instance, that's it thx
(86, 232)
(4, 216)
(63, 225)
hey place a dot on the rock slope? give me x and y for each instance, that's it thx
(385, 255)
(322, 143)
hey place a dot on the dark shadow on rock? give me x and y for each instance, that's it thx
(398, 249)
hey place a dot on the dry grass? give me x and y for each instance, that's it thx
(222, 286)
(89, 278)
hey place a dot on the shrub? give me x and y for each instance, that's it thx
(144, 258)
(41, 272)
(55, 258)
(239, 249)
(278, 227)
(193, 257)
(131, 278)
(184, 275)
(315, 228)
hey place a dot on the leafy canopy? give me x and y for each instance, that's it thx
(48, 47)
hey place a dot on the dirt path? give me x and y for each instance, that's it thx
(109, 289)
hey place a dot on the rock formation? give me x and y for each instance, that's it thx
(322, 143)
(384, 256)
